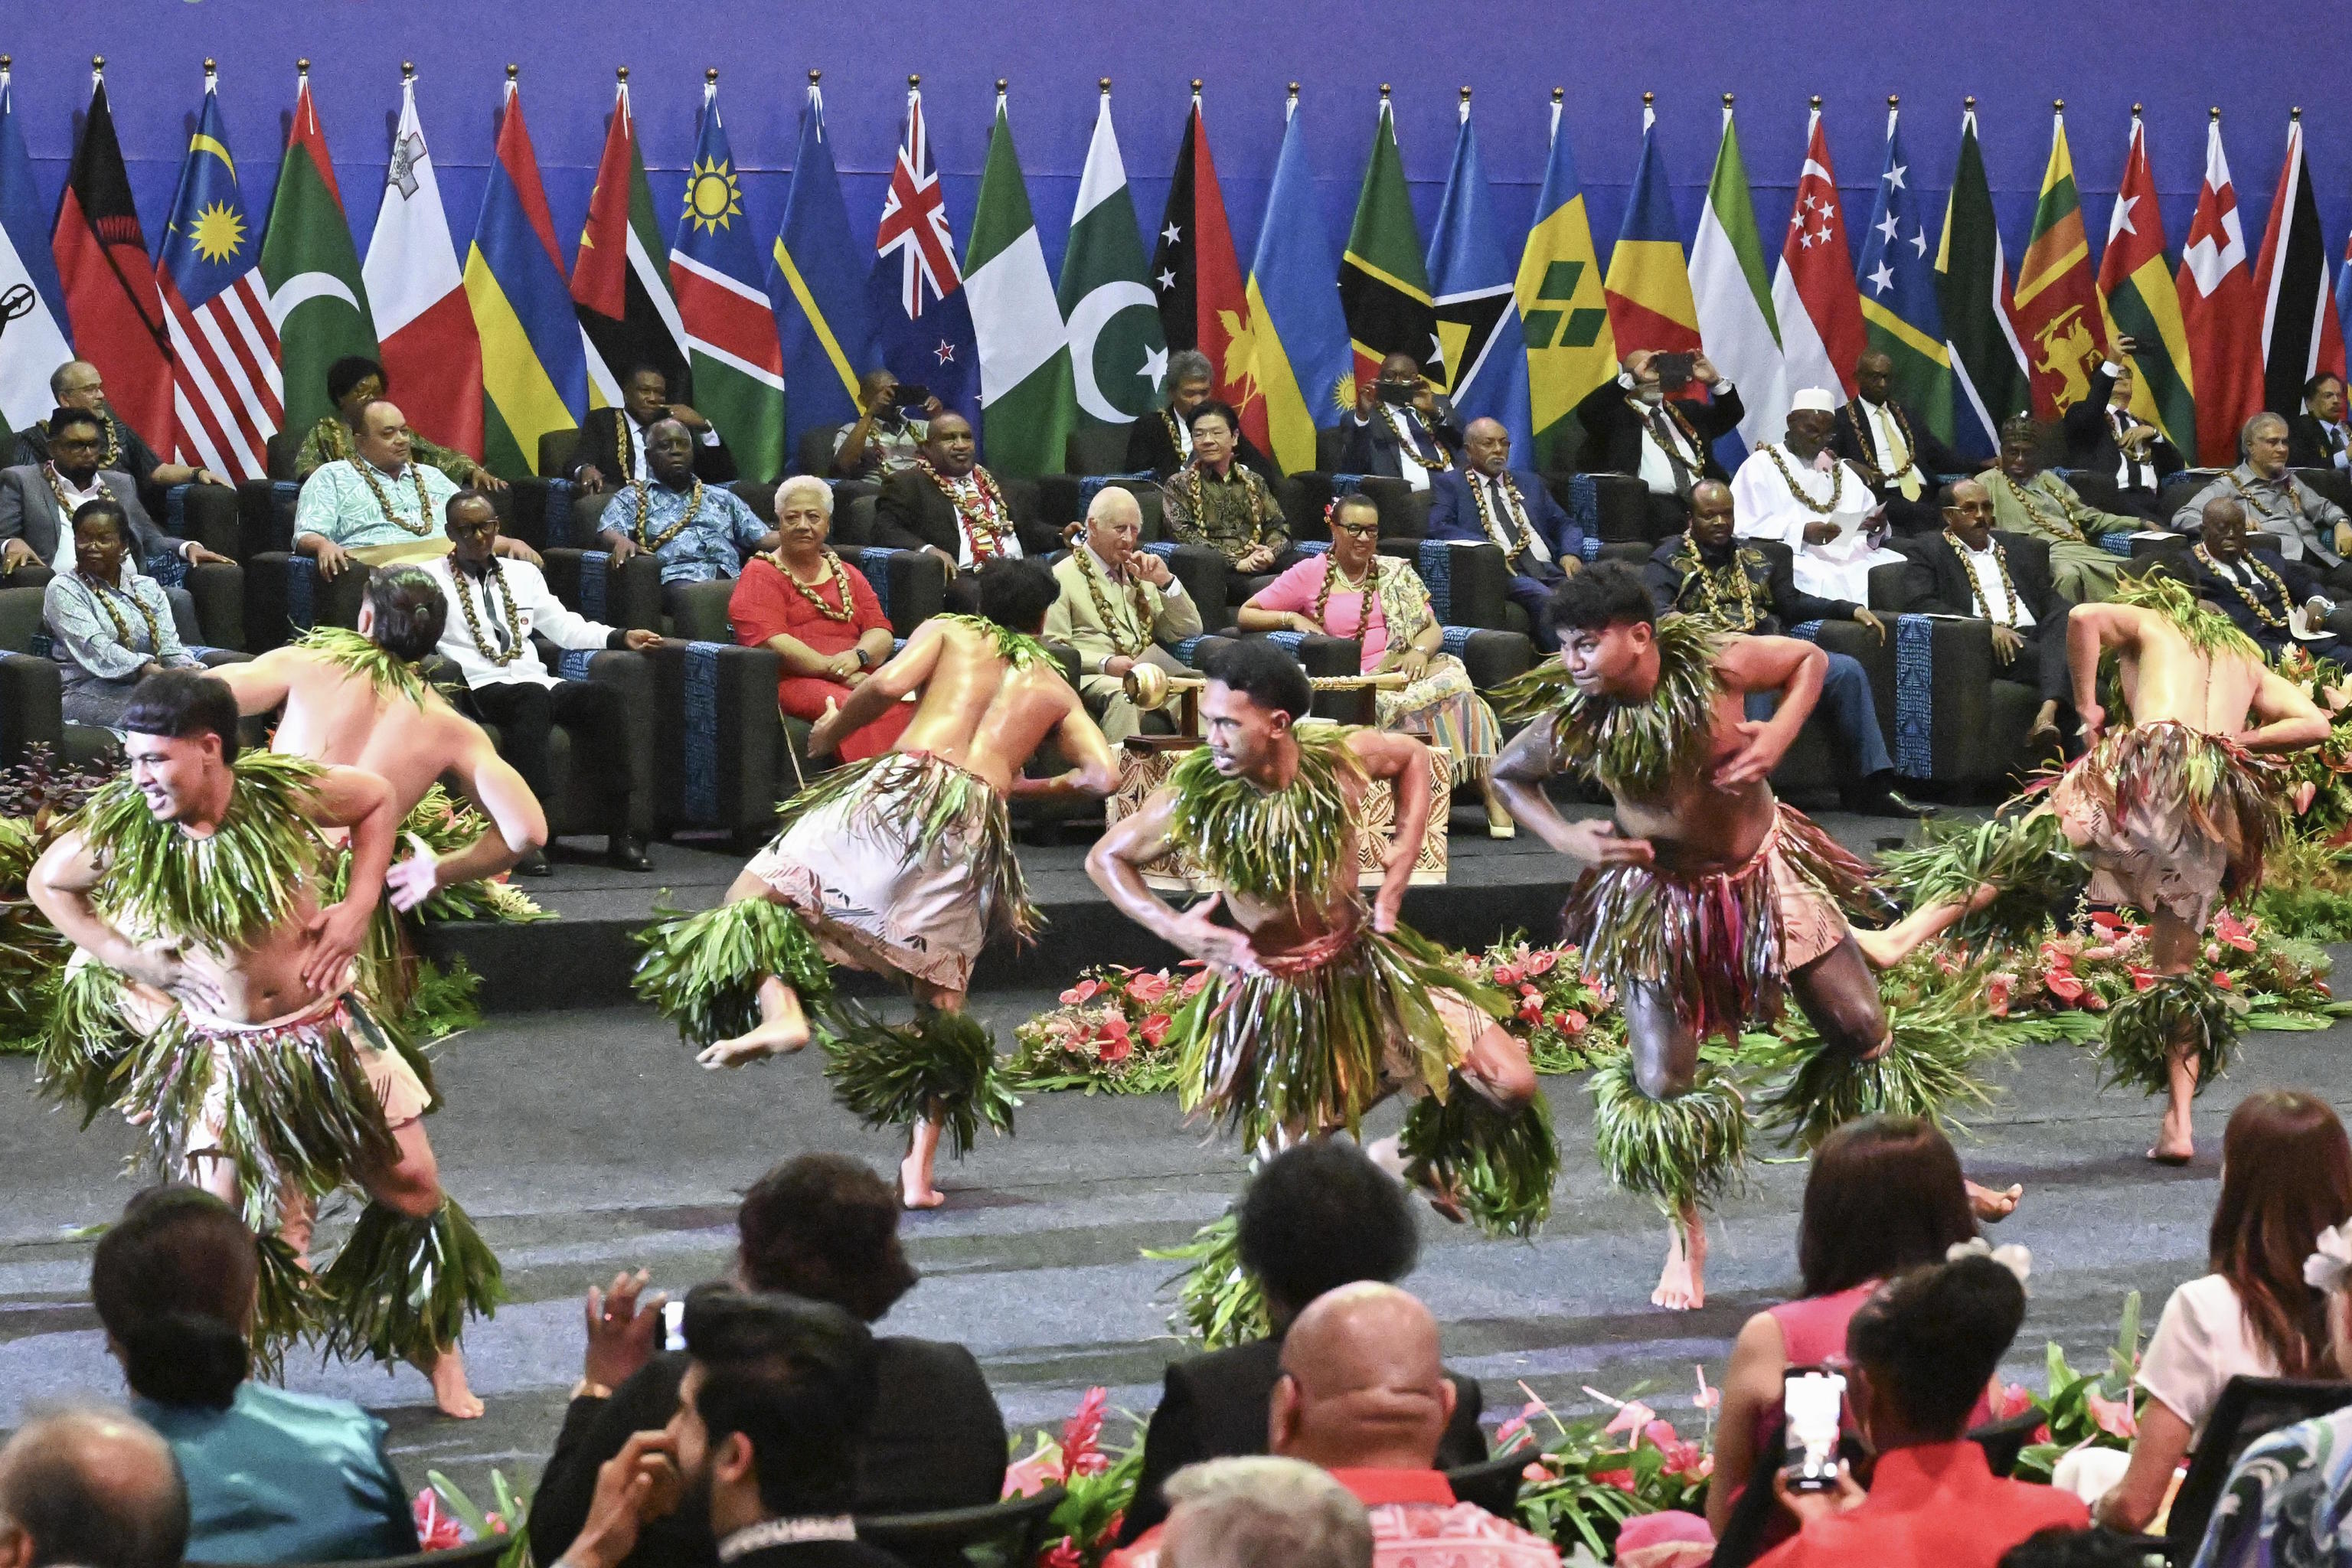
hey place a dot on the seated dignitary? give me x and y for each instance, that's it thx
(37, 502)
(1116, 604)
(378, 507)
(77, 384)
(1896, 452)
(1217, 500)
(1489, 502)
(2317, 438)
(91, 1488)
(495, 606)
(110, 625)
(820, 616)
(1735, 589)
(889, 434)
(1401, 426)
(2028, 498)
(1966, 570)
(353, 382)
(1798, 491)
(948, 506)
(699, 530)
(2304, 525)
(2104, 435)
(613, 441)
(1160, 443)
(2262, 592)
(1631, 426)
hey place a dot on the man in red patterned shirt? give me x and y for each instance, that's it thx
(1364, 1395)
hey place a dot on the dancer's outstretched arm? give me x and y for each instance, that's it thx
(2290, 720)
(906, 672)
(1519, 776)
(1115, 865)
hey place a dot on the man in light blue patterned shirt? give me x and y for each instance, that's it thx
(376, 508)
(699, 531)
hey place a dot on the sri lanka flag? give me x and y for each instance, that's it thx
(1650, 303)
(534, 370)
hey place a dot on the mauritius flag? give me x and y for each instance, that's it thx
(533, 368)
(1650, 303)
(730, 331)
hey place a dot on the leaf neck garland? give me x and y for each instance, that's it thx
(222, 889)
(368, 659)
(2209, 632)
(1270, 845)
(1018, 649)
(1637, 750)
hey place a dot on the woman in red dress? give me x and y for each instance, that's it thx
(819, 613)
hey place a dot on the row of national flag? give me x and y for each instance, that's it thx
(222, 338)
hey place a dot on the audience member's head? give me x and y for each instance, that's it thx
(91, 1488)
(776, 1392)
(1114, 525)
(2062, 1548)
(1363, 1385)
(2263, 440)
(1016, 595)
(1884, 1195)
(645, 393)
(1321, 1215)
(2020, 446)
(382, 435)
(1217, 433)
(950, 447)
(2286, 1175)
(1261, 1512)
(1926, 1344)
(353, 382)
(173, 1281)
(1191, 379)
(77, 441)
(2323, 397)
(825, 1226)
(403, 611)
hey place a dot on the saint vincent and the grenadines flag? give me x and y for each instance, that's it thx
(1024, 353)
(817, 283)
(1650, 303)
(1564, 309)
(620, 280)
(2137, 289)
(733, 357)
(1384, 281)
(533, 369)
(37, 344)
(1297, 365)
(317, 295)
(2056, 304)
(1470, 286)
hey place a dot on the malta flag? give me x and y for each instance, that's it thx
(1195, 274)
(2143, 304)
(730, 328)
(431, 354)
(226, 398)
(2300, 333)
(2219, 313)
(112, 300)
(1649, 287)
(1813, 292)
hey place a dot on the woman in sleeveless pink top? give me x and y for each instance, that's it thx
(1884, 1195)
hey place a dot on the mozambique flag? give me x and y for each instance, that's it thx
(1650, 303)
(2137, 289)
(1297, 368)
(1562, 307)
(2056, 302)
(1383, 286)
(620, 280)
(535, 374)
(1972, 288)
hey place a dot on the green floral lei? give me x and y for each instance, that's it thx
(368, 659)
(2209, 632)
(221, 890)
(1018, 649)
(1269, 845)
(1639, 749)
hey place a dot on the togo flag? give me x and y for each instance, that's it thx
(1025, 354)
(1119, 351)
(311, 271)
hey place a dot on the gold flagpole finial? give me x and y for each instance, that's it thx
(2214, 114)
(999, 87)
(710, 75)
(97, 62)
(914, 80)
(621, 75)
(1104, 84)
(407, 70)
(1558, 93)
(1649, 99)
(2295, 113)
(813, 74)
(302, 66)
(2057, 106)
(1893, 99)
(1294, 91)
(1727, 101)
(1970, 103)
(2135, 112)
(1817, 104)
(514, 71)
(1465, 94)
(1196, 87)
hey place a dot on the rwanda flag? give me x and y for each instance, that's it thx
(1477, 319)
(1900, 316)
(1650, 303)
(534, 370)
(817, 284)
(1299, 369)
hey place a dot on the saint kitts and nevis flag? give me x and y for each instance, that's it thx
(2137, 289)
(1299, 365)
(620, 279)
(1195, 275)
(1900, 315)
(1650, 303)
(37, 340)
(2056, 302)
(108, 282)
(1733, 294)
(430, 352)
(1814, 294)
(1562, 307)
(1024, 352)
(732, 352)
(817, 283)
(1119, 350)
(1470, 285)
(226, 399)
(2300, 333)
(317, 297)
(1383, 282)
(534, 370)
(1972, 290)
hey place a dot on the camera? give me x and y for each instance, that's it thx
(1674, 368)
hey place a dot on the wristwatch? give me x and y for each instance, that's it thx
(865, 660)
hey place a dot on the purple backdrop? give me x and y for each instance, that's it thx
(2178, 56)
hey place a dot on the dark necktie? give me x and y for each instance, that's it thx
(1664, 424)
(2133, 466)
(491, 611)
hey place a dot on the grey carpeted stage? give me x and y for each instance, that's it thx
(586, 1140)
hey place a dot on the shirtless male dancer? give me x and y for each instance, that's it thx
(213, 1004)
(900, 865)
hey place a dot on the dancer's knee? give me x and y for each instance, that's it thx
(1498, 1068)
(410, 1183)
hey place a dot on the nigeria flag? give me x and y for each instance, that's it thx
(1025, 361)
(1119, 354)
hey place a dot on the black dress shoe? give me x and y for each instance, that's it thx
(628, 853)
(1892, 802)
(534, 864)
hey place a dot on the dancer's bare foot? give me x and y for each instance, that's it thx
(2176, 1141)
(916, 1190)
(451, 1395)
(1993, 1207)
(783, 1028)
(1682, 1287)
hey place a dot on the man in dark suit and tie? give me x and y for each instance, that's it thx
(1967, 569)
(2259, 591)
(1315, 1217)
(2104, 437)
(612, 450)
(2316, 438)
(1631, 426)
(1402, 427)
(1489, 502)
(1894, 449)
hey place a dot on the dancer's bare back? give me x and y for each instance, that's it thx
(2166, 677)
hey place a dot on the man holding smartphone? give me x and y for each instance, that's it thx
(1646, 423)
(888, 435)
(1403, 428)
(611, 451)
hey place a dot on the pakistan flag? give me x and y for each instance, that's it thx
(1119, 356)
(312, 273)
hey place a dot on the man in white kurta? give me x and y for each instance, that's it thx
(1797, 491)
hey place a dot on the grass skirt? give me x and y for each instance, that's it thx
(2148, 798)
(942, 1066)
(1219, 1303)
(704, 971)
(404, 1285)
(1683, 1151)
(1500, 1164)
(1929, 1068)
(2025, 854)
(2135, 1048)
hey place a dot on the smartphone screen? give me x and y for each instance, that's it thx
(1810, 1399)
(674, 1327)
(1675, 369)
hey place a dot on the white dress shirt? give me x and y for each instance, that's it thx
(1657, 470)
(1985, 567)
(536, 609)
(1765, 506)
(1888, 448)
(635, 435)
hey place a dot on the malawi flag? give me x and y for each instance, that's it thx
(2300, 333)
(1650, 303)
(1119, 356)
(1972, 289)
(2056, 302)
(311, 271)
(2218, 311)
(1024, 353)
(115, 309)
(1195, 274)
(1383, 286)
(534, 370)
(620, 280)
(731, 329)
(2135, 285)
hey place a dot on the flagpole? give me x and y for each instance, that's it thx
(1290, 107)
